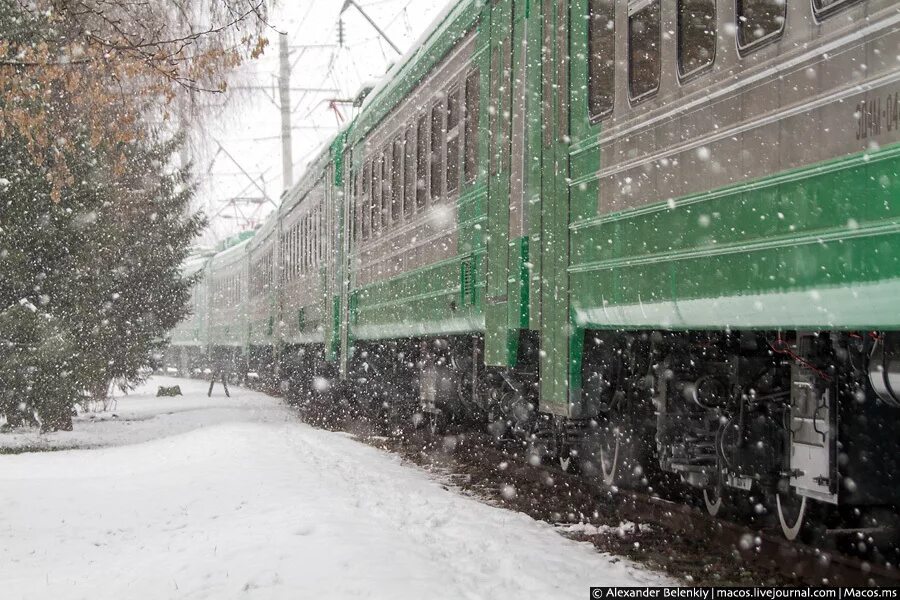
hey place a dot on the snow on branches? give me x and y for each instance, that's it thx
(96, 71)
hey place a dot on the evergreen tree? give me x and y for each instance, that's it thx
(130, 289)
(100, 268)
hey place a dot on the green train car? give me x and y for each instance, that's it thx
(658, 240)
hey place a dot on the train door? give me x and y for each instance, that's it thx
(347, 229)
(557, 339)
(500, 343)
(328, 267)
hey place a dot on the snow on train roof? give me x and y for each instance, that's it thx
(419, 55)
(194, 264)
(235, 251)
(266, 229)
(310, 176)
(418, 46)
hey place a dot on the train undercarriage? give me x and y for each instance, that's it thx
(787, 424)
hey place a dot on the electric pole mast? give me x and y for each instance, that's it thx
(284, 88)
(349, 3)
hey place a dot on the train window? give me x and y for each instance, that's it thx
(284, 257)
(307, 242)
(322, 238)
(318, 249)
(759, 21)
(397, 181)
(354, 204)
(321, 246)
(376, 195)
(311, 240)
(473, 85)
(825, 8)
(602, 64)
(421, 162)
(644, 52)
(696, 36)
(453, 163)
(304, 235)
(365, 205)
(409, 172)
(453, 135)
(288, 257)
(307, 234)
(295, 233)
(384, 175)
(437, 151)
(314, 242)
(317, 237)
(296, 249)
(314, 238)
(301, 252)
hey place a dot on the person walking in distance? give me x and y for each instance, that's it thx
(219, 372)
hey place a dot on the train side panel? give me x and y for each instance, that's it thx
(759, 193)
(228, 308)
(187, 350)
(262, 303)
(305, 239)
(416, 214)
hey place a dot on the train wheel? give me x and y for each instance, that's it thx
(712, 499)
(610, 454)
(791, 514)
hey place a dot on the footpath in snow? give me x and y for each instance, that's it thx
(235, 498)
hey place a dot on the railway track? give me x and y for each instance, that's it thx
(684, 540)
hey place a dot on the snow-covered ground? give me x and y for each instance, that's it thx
(198, 498)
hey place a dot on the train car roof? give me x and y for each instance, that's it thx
(446, 30)
(231, 254)
(331, 152)
(314, 171)
(194, 264)
(266, 230)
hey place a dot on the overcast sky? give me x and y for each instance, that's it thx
(247, 123)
